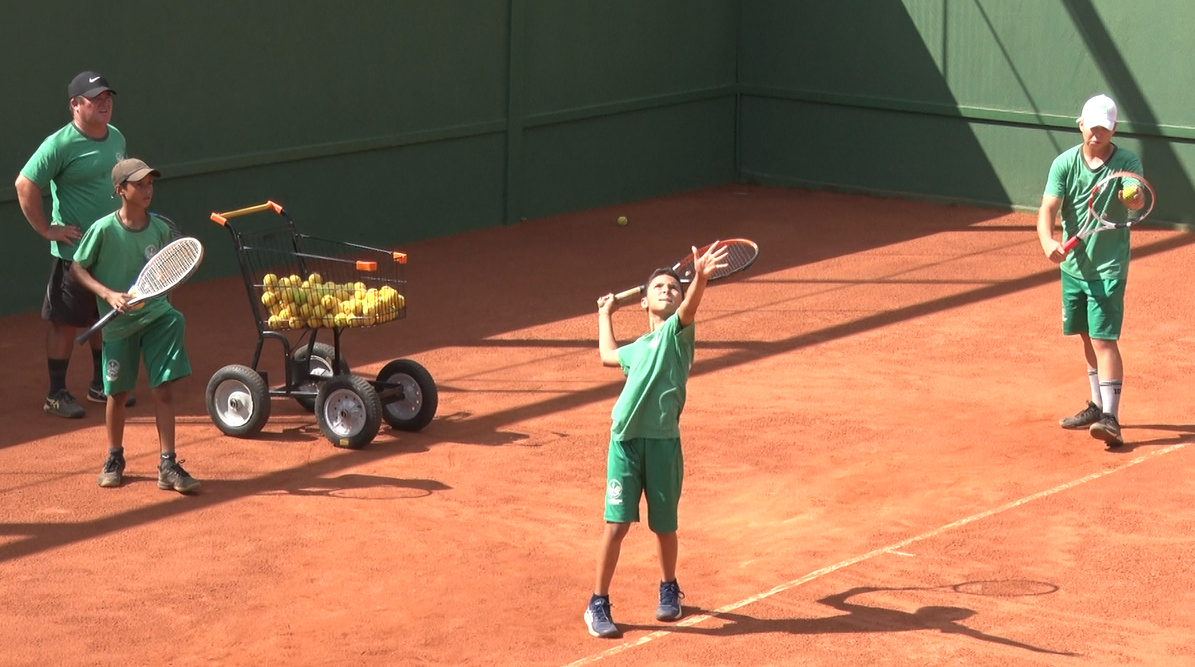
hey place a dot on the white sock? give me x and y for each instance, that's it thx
(1093, 378)
(1110, 390)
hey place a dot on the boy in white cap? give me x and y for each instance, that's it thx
(1095, 272)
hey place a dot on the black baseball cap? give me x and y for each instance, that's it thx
(88, 84)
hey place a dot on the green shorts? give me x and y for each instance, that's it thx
(1092, 307)
(644, 466)
(160, 343)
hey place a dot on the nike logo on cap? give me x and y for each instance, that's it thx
(93, 79)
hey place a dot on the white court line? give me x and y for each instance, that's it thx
(694, 620)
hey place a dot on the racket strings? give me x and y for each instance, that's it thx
(1121, 200)
(170, 266)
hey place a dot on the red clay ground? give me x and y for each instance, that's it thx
(871, 421)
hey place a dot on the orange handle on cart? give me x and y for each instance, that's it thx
(221, 218)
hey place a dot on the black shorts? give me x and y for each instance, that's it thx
(67, 301)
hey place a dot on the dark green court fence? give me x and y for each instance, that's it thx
(389, 122)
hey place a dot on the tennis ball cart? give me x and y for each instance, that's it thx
(298, 287)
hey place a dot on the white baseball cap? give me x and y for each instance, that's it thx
(1099, 110)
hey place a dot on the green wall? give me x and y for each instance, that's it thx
(380, 122)
(960, 100)
(389, 122)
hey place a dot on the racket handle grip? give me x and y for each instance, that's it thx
(1070, 244)
(100, 324)
(626, 295)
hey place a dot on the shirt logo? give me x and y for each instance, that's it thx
(614, 492)
(93, 79)
(150, 251)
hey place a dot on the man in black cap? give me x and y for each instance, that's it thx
(76, 164)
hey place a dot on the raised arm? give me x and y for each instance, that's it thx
(704, 266)
(607, 345)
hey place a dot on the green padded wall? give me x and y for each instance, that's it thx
(959, 100)
(380, 122)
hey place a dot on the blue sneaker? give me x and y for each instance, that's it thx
(669, 607)
(598, 619)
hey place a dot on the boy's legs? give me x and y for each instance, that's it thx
(665, 472)
(607, 556)
(166, 362)
(121, 363)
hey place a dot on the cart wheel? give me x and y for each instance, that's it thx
(321, 369)
(414, 408)
(238, 401)
(348, 411)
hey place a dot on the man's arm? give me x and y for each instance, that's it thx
(607, 345)
(29, 196)
(1046, 215)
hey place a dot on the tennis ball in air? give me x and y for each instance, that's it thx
(622, 221)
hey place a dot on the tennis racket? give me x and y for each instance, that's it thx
(176, 232)
(167, 269)
(1119, 200)
(740, 255)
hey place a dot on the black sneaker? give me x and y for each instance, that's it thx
(669, 608)
(598, 619)
(96, 395)
(113, 473)
(172, 476)
(62, 404)
(1107, 429)
(1086, 417)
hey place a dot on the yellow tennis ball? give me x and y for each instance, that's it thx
(295, 323)
(269, 280)
(329, 321)
(315, 279)
(622, 221)
(275, 322)
(269, 299)
(402, 301)
(340, 320)
(329, 303)
(315, 322)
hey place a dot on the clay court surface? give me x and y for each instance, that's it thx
(874, 472)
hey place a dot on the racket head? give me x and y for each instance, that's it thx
(1120, 199)
(741, 254)
(168, 268)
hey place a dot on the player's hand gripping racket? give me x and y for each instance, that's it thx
(167, 269)
(1121, 199)
(740, 254)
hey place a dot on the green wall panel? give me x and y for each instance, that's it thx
(628, 156)
(588, 53)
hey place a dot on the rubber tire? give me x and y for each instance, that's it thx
(367, 402)
(252, 386)
(408, 373)
(321, 351)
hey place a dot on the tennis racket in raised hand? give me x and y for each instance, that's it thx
(166, 270)
(1119, 200)
(740, 254)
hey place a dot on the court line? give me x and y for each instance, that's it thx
(694, 620)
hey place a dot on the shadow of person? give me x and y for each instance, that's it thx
(358, 486)
(1184, 433)
(857, 619)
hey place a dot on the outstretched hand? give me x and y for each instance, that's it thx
(706, 264)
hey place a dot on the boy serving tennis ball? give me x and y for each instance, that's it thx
(108, 259)
(644, 456)
(1095, 272)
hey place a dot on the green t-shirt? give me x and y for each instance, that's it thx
(657, 369)
(114, 255)
(1103, 255)
(78, 170)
